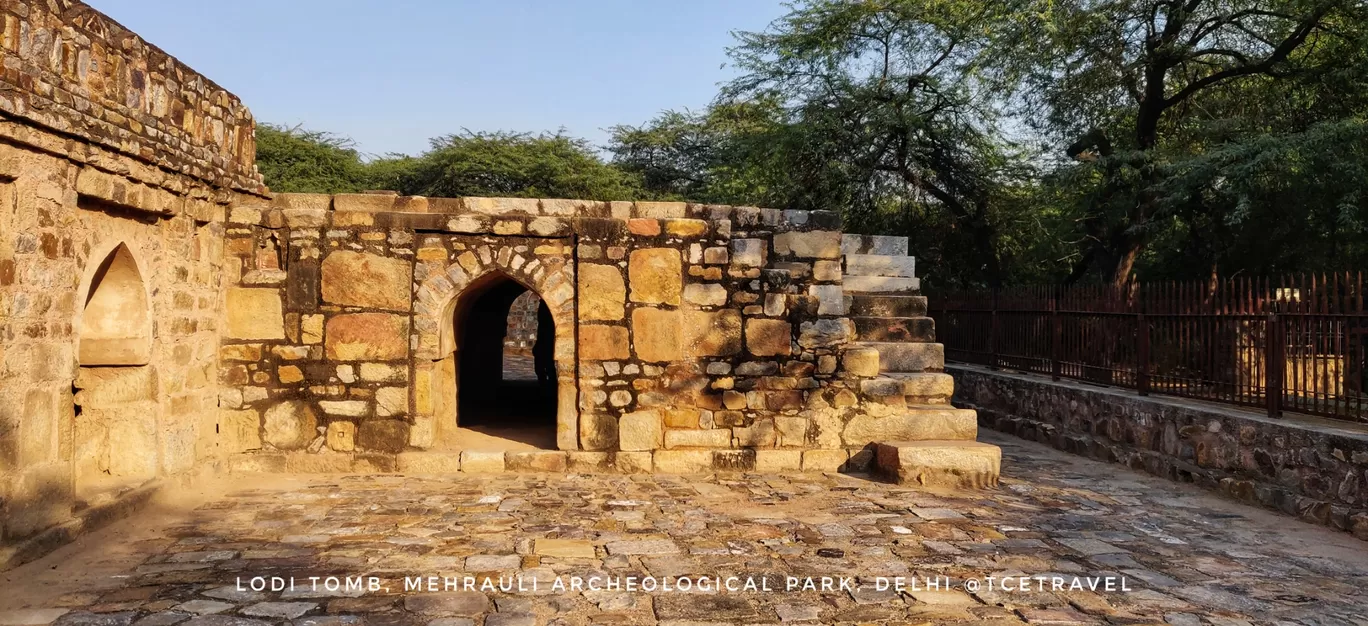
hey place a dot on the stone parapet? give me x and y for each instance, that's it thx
(75, 71)
(1308, 467)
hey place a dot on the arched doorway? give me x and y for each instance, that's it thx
(497, 397)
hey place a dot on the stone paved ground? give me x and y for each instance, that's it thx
(1188, 557)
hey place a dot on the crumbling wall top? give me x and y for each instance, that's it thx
(74, 70)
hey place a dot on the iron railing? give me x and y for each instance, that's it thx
(1294, 343)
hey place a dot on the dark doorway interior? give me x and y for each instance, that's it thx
(499, 387)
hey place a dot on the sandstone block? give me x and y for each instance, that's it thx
(749, 252)
(912, 424)
(289, 425)
(686, 227)
(705, 294)
(588, 462)
(477, 461)
(825, 333)
(603, 343)
(383, 435)
(655, 275)
(861, 361)
(342, 436)
(536, 461)
(683, 461)
(366, 337)
(760, 434)
(641, 430)
(254, 313)
(391, 401)
(240, 431)
(643, 227)
(824, 460)
(564, 548)
(426, 462)
(656, 334)
(817, 244)
(628, 462)
(956, 464)
(367, 280)
(602, 293)
(773, 461)
(830, 299)
(714, 438)
(768, 337)
(712, 333)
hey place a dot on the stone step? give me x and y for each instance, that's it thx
(881, 284)
(956, 464)
(873, 305)
(919, 387)
(915, 422)
(907, 357)
(912, 329)
(873, 244)
(880, 265)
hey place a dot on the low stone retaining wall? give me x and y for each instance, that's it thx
(1312, 468)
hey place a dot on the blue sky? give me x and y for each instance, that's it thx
(392, 74)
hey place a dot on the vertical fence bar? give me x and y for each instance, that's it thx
(1275, 359)
(1056, 335)
(993, 333)
(1142, 349)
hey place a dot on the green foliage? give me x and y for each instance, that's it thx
(292, 159)
(1014, 141)
(515, 165)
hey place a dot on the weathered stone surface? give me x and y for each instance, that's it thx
(712, 333)
(366, 337)
(382, 435)
(920, 424)
(598, 342)
(957, 464)
(564, 548)
(683, 461)
(657, 334)
(602, 293)
(254, 314)
(860, 361)
(908, 357)
(715, 438)
(825, 333)
(705, 294)
(640, 430)
(289, 425)
(341, 436)
(749, 252)
(477, 461)
(428, 462)
(655, 275)
(768, 337)
(815, 244)
(367, 280)
(536, 461)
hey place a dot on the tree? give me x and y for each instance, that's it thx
(515, 165)
(1123, 79)
(292, 159)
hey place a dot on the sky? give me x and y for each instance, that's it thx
(392, 74)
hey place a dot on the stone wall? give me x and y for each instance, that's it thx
(679, 327)
(117, 167)
(1308, 467)
(75, 72)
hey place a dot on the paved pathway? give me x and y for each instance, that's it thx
(1187, 557)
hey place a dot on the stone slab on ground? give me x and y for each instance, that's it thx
(958, 464)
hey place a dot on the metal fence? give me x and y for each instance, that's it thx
(1294, 343)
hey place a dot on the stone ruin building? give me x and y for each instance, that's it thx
(165, 315)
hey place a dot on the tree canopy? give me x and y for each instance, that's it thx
(1023, 140)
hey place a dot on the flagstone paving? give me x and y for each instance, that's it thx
(1187, 557)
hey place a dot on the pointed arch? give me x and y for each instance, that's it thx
(115, 322)
(437, 303)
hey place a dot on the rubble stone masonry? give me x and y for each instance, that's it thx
(162, 314)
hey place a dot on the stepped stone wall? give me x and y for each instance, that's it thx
(681, 329)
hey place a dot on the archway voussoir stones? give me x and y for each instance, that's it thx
(438, 299)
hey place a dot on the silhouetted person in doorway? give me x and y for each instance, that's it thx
(544, 351)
